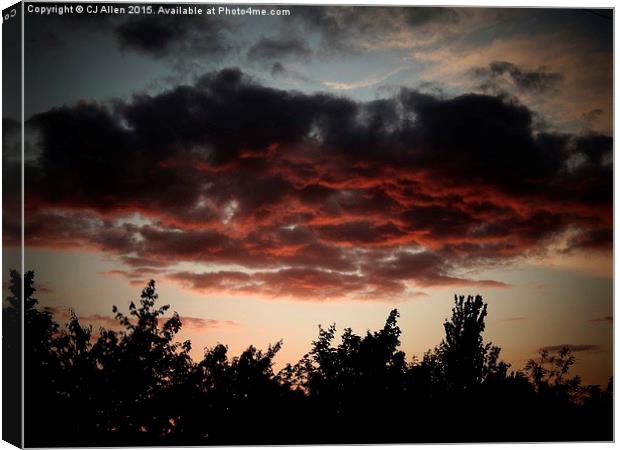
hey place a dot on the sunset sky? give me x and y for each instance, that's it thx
(277, 173)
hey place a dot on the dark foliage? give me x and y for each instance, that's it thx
(139, 386)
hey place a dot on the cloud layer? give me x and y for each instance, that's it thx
(575, 348)
(196, 324)
(312, 196)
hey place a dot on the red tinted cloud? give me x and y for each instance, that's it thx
(314, 196)
(311, 284)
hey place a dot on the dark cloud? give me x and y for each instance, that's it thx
(282, 48)
(593, 239)
(195, 41)
(362, 231)
(11, 131)
(314, 189)
(63, 314)
(575, 348)
(596, 147)
(535, 81)
(175, 38)
(426, 268)
(173, 35)
(592, 116)
(417, 17)
(11, 181)
(606, 319)
(338, 29)
(474, 137)
(481, 137)
(278, 69)
(239, 115)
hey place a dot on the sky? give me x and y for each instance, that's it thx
(277, 173)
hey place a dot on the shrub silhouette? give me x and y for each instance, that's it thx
(136, 385)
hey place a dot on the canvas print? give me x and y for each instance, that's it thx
(306, 224)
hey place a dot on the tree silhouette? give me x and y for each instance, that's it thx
(549, 374)
(136, 385)
(348, 381)
(40, 363)
(236, 396)
(12, 362)
(141, 364)
(463, 361)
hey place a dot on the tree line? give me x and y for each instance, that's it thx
(138, 385)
